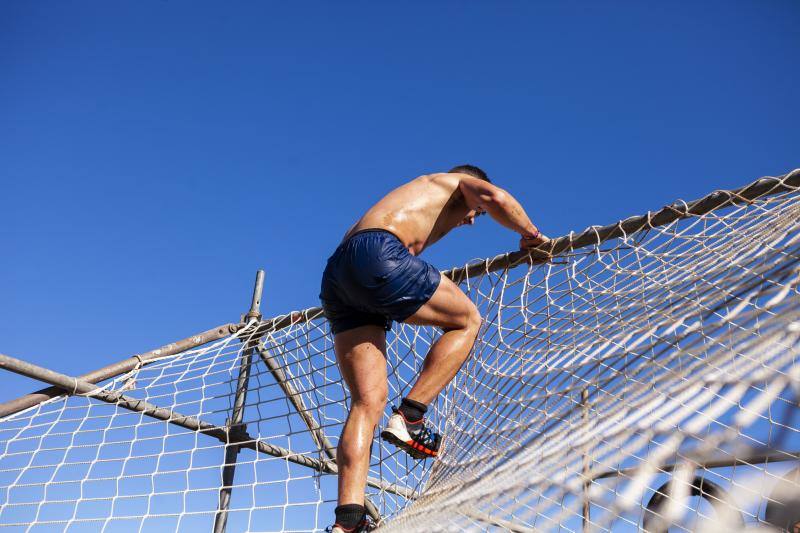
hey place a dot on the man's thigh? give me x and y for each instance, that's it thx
(360, 353)
(448, 308)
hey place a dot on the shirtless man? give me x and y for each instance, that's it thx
(374, 277)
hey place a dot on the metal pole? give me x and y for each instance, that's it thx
(126, 365)
(311, 423)
(763, 187)
(766, 186)
(505, 525)
(587, 480)
(255, 302)
(718, 459)
(297, 401)
(244, 440)
(235, 422)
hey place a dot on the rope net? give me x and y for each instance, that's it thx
(649, 380)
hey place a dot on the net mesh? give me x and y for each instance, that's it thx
(645, 381)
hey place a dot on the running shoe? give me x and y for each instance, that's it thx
(415, 438)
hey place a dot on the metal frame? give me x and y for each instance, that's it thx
(595, 235)
(653, 520)
(116, 369)
(235, 435)
(234, 424)
(74, 386)
(718, 460)
(586, 510)
(311, 423)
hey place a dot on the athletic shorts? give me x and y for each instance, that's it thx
(372, 278)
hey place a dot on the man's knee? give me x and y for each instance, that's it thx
(471, 320)
(474, 319)
(372, 403)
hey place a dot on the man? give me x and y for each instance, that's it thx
(374, 277)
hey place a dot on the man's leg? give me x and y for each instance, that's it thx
(451, 310)
(360, 353)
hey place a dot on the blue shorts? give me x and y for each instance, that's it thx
(372, 278)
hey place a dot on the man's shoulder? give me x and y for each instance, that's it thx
(440, 179)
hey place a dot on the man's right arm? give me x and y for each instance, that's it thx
(502, 207)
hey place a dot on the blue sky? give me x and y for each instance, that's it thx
(153, 155)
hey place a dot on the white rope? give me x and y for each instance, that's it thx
(595, 375)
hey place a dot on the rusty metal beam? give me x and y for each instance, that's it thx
(766, 186)
(718, 460)
(311, 423)
(116, 369)
(297, 402)
(235, 421)
(223, 434)
(505, 525)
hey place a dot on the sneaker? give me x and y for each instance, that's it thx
(416, 439)
(363, 527)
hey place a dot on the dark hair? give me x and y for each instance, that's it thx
(471, 170)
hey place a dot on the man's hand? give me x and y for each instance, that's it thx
(532, 240)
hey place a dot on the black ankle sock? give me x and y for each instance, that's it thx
(350, 515)
(412, 410)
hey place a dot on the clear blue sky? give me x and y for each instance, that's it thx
(153, 155)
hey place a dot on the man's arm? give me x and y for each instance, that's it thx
(502, 207)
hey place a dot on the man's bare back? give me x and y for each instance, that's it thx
(419, 212)
(425, 209)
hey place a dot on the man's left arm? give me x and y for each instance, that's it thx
(503, 208)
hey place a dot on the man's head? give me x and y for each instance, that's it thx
(470, 170)
(475, 172)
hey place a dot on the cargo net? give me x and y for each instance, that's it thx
(645, 375)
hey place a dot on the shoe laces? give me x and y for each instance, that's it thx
(427, 435)
(420, 430)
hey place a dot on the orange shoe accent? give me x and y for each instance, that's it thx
(422, 448)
